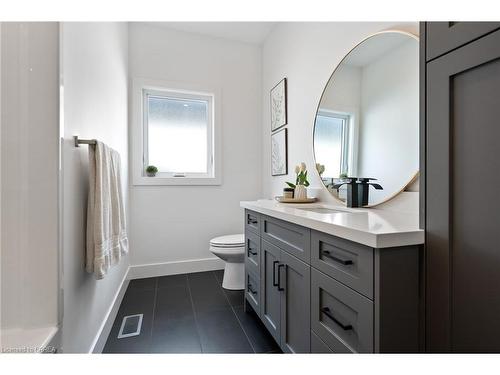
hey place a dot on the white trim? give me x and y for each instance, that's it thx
(173, 268)
(102, 334)
(148, 270)
(137, 133)
(137, 332)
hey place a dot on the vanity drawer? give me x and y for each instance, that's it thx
(287, 236)
(345, 261)
(252, 221)
(342, 318)
(252, 290)
(252, 252)
(318, 346)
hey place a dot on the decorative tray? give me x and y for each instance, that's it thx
(293, 200)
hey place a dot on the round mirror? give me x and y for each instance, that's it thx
(367, 122)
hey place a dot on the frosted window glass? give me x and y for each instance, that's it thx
(328, 144)
(177, 134)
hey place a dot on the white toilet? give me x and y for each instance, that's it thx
(231, 249)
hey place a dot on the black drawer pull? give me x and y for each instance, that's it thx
(327, 254)
(250, 252)
(280, 288)
(252, 221)
(275, 283)
(250, 289)
(327, 312)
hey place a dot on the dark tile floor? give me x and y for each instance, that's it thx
(189, 313)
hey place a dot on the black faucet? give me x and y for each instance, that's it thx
(357, 190)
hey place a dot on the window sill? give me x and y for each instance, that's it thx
(176, 181)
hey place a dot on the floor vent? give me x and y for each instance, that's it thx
(131, 326)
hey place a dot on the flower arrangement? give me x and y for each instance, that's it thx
(300, 191)
(301, 176)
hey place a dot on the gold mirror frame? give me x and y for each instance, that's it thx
(415, 175)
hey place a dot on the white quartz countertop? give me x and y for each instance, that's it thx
(369, 226)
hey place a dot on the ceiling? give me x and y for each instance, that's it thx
(247, 32)
(376, 47)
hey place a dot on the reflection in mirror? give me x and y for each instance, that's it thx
(367, 120)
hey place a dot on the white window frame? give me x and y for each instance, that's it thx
(141, 87)
(346, 151)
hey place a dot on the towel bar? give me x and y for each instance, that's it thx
(79, 142)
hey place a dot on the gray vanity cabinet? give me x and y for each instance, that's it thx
(270, 289)
(295, 309)
(285, 286)
(323, 294)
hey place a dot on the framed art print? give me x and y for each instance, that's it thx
(278, 105)
(279, 155)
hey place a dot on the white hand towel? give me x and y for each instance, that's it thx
(106, 227)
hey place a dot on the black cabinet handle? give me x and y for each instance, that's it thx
(280, 288)
(250, 289)
(327, 312)
(345, 262)
(274, 273)
(252, 221)
(250, 252)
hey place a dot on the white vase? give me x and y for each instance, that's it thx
(300, 192)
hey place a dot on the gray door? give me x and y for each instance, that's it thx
(269, 293)
(462, 200)
(295, 279)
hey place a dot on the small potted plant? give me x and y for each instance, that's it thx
(151, 171)
(301, 183)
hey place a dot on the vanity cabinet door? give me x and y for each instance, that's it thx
(270, 294)
(462, 205)
(443, 37)
(295, 280)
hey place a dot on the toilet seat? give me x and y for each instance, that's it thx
(230, 241)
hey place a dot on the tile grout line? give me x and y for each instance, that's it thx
(153, 315)
(236, 315)
(194, 313)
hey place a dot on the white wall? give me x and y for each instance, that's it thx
(175, 223)
(307, 54)
(344, 95)
(94, 74)
(389, 124)
(29, 175)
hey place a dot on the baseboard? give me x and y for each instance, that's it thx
(103, 333)
(148, 270)
(174, 268)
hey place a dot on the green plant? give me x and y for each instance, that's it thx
(151, 169)
(301, 176)
(343, 175)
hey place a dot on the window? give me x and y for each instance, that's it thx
(331, 142)
(178, 132)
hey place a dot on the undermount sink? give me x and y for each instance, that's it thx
(323, 210)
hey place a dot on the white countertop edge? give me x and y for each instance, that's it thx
(375, 240)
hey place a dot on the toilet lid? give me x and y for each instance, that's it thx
(232, 240)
